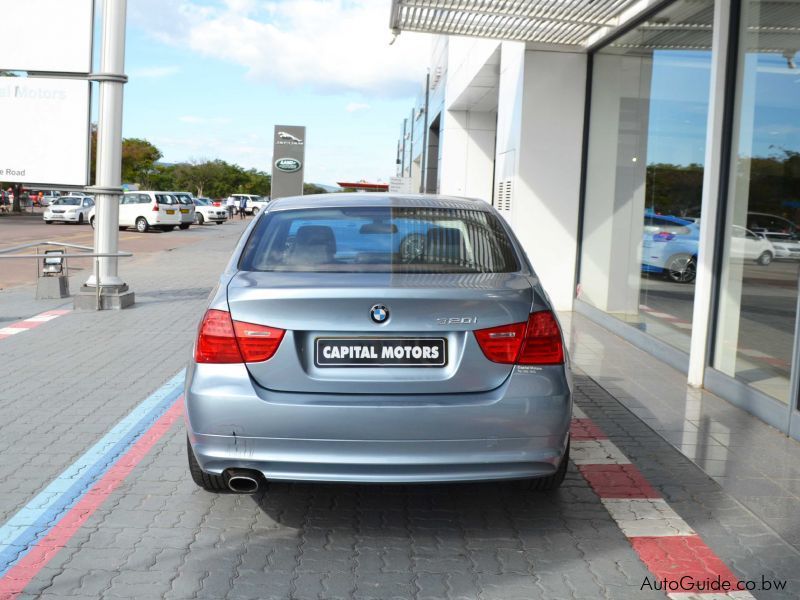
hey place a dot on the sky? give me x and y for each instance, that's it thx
(211, 78)
(678, 106)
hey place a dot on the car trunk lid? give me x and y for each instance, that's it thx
(438, 309)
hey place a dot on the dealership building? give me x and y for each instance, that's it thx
(647, 155)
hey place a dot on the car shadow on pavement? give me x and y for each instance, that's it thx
(449, 512)
(492, 540)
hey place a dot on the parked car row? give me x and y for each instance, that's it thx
(144, 210)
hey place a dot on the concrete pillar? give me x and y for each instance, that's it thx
(467, 147)
(615, 189)
(540, 134)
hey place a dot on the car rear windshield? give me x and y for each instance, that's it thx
(380, 240)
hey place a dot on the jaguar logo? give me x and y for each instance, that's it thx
(288, 138)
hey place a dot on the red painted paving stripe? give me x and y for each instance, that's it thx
(666, 557)
(672, 558)
(30, 323)
(43, 552)
(617, 481)
(585, 429)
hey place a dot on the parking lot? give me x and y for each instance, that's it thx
(96, 499)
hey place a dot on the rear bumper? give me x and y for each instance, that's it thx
(503, 434)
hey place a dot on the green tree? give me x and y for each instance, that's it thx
(311, 188)
(162, 177)
(138, 160)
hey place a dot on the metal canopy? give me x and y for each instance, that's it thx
(564, 22)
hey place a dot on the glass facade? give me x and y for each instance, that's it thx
(761, 261)
(644, 179)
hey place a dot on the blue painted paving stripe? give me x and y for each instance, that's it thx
(37, 517)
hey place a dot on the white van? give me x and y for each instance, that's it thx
(187, 207)
(144, 210)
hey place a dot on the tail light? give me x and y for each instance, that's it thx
(222, 340)
(155, 207)
(537, 342)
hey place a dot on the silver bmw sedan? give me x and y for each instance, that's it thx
(378, 338)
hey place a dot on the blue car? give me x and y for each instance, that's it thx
(669, 247)
(370, 338)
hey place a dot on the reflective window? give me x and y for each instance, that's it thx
(647, 137)
(758, 291)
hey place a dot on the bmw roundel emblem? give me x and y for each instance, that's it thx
(379, 313)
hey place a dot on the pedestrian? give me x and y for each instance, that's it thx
(242, 206)
(231, 205)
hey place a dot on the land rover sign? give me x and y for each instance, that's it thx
(289, 153)
(288, 165)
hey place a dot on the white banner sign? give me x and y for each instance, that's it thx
(46, 35)
(400, 185)
(44, 131)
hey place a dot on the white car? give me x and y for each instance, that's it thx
(784, 247)
(146, 210)
(206, 211)
(69, 209)
(750, 246)
(187, 208)
(255, 204)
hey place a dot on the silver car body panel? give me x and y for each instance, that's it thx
(469, 420)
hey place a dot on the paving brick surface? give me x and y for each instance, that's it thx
(159, 536)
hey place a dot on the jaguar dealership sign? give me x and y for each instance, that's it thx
(289, 153)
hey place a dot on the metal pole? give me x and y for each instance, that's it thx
(109, 142)
(423, 180)
(403, 160)
(411, 145)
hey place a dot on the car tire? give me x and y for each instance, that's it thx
(184, 225)
(765, 258)
(207, 481)
(80, 219)
(255, 211)
(91, 222)
(48, 222)
(219, 222)
(551, 482)
(142, 225)
(681, 268)
(199, 219)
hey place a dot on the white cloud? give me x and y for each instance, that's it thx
(328, 45)
(154, 72)
(356, 106)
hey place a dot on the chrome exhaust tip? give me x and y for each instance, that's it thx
(243, 483)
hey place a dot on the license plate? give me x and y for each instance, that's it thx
(184, 211)
(380, 352)
(170, 212)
